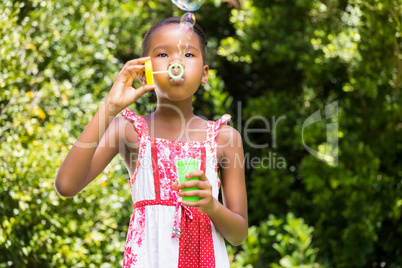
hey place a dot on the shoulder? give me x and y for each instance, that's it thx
(124, 129)
(122, 122)
(228, 138)
(227, 133)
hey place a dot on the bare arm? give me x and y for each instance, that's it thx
(87, 158)
(74, 174)
(231, 220)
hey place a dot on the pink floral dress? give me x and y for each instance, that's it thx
(162, 232)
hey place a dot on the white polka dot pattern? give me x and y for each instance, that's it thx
(196, 244)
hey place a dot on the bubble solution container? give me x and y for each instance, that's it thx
(185, 166)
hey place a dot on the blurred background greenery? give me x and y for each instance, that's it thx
(277, 59)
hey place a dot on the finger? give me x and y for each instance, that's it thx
(126, 76)
(189, 184)
(142, 90)
(193, 193)
(175, 185)
(138, 61)
(195, 183)
(130, 72)
(133, 94)
(197, 174)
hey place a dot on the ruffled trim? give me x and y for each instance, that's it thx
(217, 125)
(140, 126)
(138, 121)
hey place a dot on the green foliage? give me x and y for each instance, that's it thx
(279, 242)
(214, 95)
(298, 57)
(55, 65)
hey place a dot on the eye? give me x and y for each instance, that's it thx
(163, 55)
(188, 55)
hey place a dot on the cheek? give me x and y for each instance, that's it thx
(160, 64)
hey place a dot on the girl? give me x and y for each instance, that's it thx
(164, 230)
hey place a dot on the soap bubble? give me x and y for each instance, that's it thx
(188, 17)
(188, 5)
(187, 22)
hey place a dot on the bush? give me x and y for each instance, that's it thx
(277, 242)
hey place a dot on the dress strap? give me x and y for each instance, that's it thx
(214, 127)
(138, 121)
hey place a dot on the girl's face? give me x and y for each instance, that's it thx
(163, 50)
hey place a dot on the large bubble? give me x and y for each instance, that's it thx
(188, 5)
(187, 22)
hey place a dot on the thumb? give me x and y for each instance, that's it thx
(137, 93)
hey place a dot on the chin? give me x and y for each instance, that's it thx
(174, 96)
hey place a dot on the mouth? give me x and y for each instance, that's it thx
(176, 81)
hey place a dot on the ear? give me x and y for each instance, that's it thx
(142, 78)
(205, 75)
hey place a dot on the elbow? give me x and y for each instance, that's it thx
(238, 240)
(63, 189)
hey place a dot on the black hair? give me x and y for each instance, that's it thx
(197, 29)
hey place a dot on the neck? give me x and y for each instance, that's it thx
(170, 111)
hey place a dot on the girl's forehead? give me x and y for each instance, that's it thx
(171, 33)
